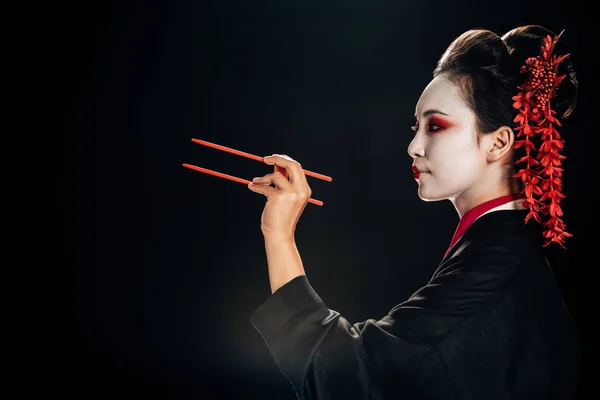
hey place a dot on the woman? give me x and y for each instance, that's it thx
(491, 323)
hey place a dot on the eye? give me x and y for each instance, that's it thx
(431, 127)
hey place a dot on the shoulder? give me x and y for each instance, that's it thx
(476, 277)
(499, 238)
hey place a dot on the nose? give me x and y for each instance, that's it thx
(416, 148)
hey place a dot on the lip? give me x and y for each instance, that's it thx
(417, 172)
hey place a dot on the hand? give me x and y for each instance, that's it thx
(286, 201)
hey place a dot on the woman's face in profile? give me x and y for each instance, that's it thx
(445, 147)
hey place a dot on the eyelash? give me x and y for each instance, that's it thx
(415, 128)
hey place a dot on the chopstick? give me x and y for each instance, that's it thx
(253, 157)
(247, 155)
(235, 179)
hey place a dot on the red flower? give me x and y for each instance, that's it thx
(541, 176)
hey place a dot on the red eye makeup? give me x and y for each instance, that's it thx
(439, 121)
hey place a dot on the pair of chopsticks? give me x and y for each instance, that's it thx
(247, 155)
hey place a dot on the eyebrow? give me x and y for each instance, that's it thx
(432, 111)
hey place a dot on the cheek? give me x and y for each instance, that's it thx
(454, 159)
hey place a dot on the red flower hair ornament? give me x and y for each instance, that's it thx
(542, 173)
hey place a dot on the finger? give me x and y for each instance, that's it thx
(276, 178)
(292, 166)
(263, 189)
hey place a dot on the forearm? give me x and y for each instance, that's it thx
(283, 260)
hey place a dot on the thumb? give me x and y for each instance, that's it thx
(261, 188)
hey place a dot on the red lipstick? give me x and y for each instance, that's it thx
(416, 172)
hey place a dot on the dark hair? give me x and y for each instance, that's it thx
(486, 67)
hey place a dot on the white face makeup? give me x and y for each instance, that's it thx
(445, 147)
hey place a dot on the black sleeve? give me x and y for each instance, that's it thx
(325, 356)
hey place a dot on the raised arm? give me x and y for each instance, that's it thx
(285, 203)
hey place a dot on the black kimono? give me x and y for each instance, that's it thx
(490, 324)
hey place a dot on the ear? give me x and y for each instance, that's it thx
(498, 144)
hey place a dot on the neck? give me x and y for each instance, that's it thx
(468, 200)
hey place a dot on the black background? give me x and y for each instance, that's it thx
(150, 271)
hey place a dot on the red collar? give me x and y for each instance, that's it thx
(474, 213)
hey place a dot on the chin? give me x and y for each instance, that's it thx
(429, 190)
(429, 197)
